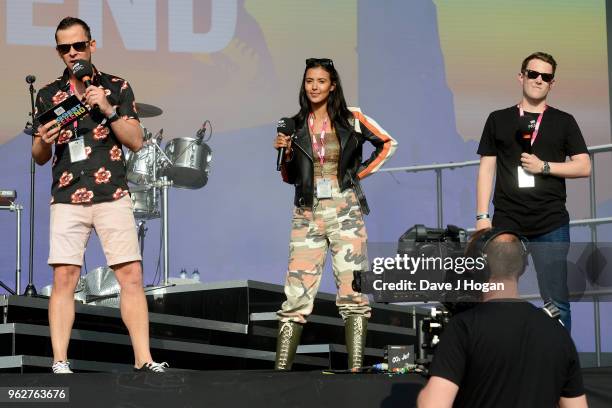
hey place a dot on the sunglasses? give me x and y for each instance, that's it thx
(534, 74)
(325, 62)
(78, 47)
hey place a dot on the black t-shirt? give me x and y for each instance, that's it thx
(508, 353)
(539, 209)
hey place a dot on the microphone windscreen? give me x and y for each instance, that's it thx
(30, 79)
(526, 125)
(286, 126)
(82, 69)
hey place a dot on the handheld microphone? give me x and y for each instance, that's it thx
(30, 79)
(285, 126)
(526, 127)
(83, 71)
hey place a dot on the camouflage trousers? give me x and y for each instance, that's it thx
(335, 223)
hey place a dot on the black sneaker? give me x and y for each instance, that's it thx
(152, 367)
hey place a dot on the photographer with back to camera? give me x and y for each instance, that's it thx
(504, 352)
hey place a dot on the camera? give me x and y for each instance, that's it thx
(429, 265)
(426, 266)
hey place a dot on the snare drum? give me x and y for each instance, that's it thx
(190, 159)
(145, 201)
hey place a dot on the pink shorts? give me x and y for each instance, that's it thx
(71, 226)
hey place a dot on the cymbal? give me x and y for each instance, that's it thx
(145, 110)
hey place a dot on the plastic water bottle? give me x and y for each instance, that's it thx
(380, 367)
(195, 275)
(183, 274)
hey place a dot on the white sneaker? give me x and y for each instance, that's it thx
(61, 367)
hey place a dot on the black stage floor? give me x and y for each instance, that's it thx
(251, 389)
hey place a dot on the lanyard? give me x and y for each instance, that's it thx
(75, 123)
(315, 145)
(537, 126)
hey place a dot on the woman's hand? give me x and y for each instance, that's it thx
(283, 140)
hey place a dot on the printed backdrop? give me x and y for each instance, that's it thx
(428, 71)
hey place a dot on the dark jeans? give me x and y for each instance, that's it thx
(549, 254)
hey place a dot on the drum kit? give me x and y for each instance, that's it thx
(183, 163)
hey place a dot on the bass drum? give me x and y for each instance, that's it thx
(190, 159)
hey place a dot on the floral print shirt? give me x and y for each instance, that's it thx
(102, 176)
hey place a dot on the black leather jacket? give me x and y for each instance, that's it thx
(299, 169)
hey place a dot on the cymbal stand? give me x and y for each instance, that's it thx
(149, 139)
(164, 184)
(30, 288)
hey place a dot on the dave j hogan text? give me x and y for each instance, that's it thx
(425, 285)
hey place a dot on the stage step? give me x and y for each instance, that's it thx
(19, 338)
(33, 364)
(236, 301)
(212, 326)
(113, 349)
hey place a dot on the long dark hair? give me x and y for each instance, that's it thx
(337, 109)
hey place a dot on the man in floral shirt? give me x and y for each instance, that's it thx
(90, 191)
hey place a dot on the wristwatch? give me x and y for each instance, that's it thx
(113, 117)
(482, 216)
(546, 169)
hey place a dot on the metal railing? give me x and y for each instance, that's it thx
(16, 208)
(591, 222)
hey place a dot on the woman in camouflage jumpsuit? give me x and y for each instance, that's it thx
(323, 159)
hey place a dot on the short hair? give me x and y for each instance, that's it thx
(506, 255)
(68, 22)
(541, 56)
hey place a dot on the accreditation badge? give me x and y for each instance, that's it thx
(324, 189)
(77, 150)
(525, 179)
